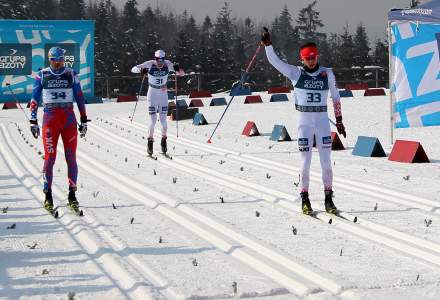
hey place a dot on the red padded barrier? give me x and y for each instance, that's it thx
(196, 103)
(9, 105)
(278, 90)
(200, 94)
(253, 99)
(126, 98)
(356, 86)
(374, 92)
(408, 152)
(250, 129)
(336, 142)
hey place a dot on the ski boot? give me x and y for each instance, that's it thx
(150, 146)
(163, 145)
(73, 203)
(48, 202)
(305, 204)
(328, 202)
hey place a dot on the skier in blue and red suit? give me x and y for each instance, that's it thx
(58, 86)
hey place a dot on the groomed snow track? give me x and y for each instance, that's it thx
(267, 260)
(401, 242)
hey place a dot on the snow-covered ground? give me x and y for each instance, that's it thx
(219, 220)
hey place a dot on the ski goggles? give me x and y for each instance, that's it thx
(61, 58)
(160, 59)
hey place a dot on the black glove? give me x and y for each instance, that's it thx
(35, 129)
(82, 128)
(176, 67)
(340, 127)
(144, 71)
(265, 37)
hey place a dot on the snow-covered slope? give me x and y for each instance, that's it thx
(219, 220)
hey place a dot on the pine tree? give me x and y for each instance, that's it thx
(361, 46)
(91, 10)
(223, 38)
(285, 37)
(15, 9)
(149, 32)
(205, 52)
(333, 43)
(43, 9)
(380, 53)
(345, 51)
(71, 10)
(130, 42)
(187, 41)
(309, 24)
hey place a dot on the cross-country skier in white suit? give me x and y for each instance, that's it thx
(157, 95)
(312, 84)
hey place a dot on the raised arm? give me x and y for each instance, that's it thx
(292, 72)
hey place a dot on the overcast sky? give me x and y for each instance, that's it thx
(334, 13)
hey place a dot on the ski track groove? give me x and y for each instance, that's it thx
(95, 240)
(424, 250)
(314, 283)
(258, 256)
(346, 184)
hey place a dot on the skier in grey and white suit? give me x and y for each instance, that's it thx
(157, 95)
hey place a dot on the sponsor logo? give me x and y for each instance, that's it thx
(49, 143)
(15, 59)
(12, 61)
(159, 73)
(417, 11)
(57, 83)
(326, 140)
(303, 149)
(303, 141)
(69, 61)
(314, 84)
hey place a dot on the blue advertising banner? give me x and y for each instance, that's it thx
(416, 69)
(23, 51)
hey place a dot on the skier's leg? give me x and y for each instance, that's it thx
(153, 119)
(163, 110)
(50, 134)
(163, 119)
(69, 135)
(324, 145)
(305, 143)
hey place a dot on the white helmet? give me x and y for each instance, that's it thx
(159, 54)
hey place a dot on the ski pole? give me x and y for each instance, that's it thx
(137, 98)
(331, 121)
(177, 108)
(16, 100)
(242, 79)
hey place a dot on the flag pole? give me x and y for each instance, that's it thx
(390, 81)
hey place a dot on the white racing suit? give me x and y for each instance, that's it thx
(311, 92)
(157, 94)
